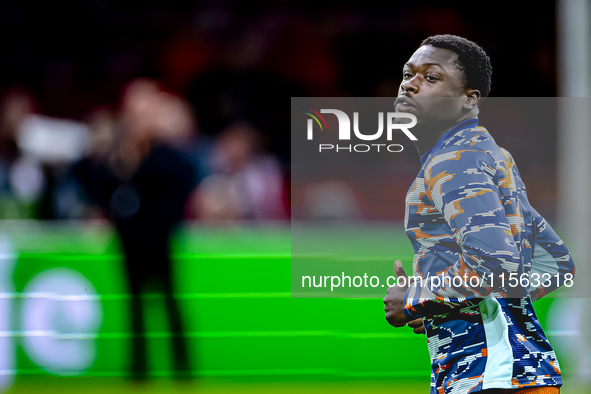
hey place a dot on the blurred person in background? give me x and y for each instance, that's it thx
(36, 152)
(141, 181)
(246, 183)
(22, 181)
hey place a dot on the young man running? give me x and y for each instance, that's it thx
(473, 232)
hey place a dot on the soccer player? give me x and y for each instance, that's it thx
(468, 218)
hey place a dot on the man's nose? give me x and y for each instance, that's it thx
(410, 85)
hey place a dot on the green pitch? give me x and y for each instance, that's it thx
(245, 332)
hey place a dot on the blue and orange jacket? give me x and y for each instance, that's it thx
(468, 216)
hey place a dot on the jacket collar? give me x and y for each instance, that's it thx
(467, 124)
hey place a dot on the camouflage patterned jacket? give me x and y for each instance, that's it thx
(468, 217)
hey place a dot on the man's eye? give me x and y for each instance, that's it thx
(407, 75)
(431, 78)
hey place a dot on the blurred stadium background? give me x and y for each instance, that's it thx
(92, 91)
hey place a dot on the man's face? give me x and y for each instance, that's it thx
(432, 72)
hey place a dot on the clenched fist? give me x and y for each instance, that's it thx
(394, 300)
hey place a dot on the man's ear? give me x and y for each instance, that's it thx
(472, 98)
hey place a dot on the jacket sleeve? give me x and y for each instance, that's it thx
(465, 186)
(552, 264)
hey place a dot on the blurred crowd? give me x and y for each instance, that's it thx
(108, 82)
(109, 164)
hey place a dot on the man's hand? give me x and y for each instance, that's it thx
(394, 300)
(417, 326)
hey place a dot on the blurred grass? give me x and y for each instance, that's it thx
(217, 386)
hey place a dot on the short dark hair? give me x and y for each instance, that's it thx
(472, 60)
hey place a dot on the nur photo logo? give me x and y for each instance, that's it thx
(344, 130)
